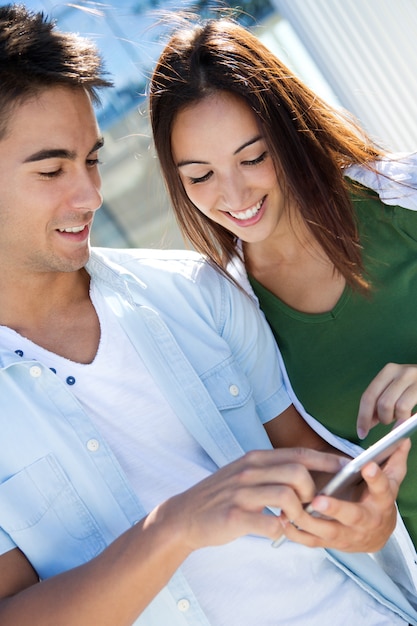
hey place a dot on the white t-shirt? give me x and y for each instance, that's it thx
(246, 582)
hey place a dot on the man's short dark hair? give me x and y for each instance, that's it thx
(35, 55)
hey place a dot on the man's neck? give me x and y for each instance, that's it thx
(54, 312)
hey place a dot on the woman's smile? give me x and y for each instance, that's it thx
(250, 216)
(225, 166)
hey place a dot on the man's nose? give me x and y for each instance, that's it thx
(87, 192)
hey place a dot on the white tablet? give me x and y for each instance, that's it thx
(379, 452)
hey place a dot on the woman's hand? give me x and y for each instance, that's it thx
(392, 395)
(364, 526)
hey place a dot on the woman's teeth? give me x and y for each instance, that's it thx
(246, 215)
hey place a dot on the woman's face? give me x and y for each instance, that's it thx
(225, 167)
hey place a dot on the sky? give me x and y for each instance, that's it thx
(126, 31)
(125, 35)
(129, 35)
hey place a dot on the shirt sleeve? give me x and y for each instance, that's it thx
(255, 349)
(6, 542)
(394, 179)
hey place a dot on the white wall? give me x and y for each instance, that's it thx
(367, 51)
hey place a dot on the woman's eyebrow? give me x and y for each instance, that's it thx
(191, 162)
(242, 147)
(248, 143)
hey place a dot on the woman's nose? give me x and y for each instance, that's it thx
(233, 191)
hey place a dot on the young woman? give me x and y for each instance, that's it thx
(261, 171)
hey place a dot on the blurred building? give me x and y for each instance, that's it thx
(358, 54)
(366, 51)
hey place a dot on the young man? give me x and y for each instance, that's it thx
(127, 380)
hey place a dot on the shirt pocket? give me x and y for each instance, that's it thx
(46, 518)
(227, 385)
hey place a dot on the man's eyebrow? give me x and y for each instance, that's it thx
(242, 147)
(99, 144)
(50, 153)
(59, 153)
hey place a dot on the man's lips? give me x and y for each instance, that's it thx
(72, 229)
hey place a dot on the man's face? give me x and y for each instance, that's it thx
(49, 183)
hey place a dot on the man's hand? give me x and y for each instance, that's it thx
(231, 502)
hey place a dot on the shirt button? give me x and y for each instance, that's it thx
(234, 390)
(35, 371)
(93, 445)
(183, 605)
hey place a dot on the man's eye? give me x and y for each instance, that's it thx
(93, 162)
(201, 179)
(53, 174)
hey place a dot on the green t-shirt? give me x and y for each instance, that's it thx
(332, 357)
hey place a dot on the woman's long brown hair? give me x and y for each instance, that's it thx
(310, 142)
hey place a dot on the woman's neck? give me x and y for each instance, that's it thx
(296, 270)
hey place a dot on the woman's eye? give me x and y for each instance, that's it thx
(260, 158)
(201, 179)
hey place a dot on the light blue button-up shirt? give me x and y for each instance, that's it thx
(63, 495)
